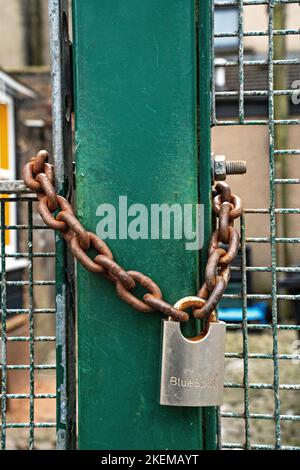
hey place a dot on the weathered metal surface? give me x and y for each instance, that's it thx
(205, 47)
(3, 332)
(227, 208)
(136, 135)
(13, 187)
(62, 148)
(28, 314)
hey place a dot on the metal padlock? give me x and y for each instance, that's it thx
(192, 369)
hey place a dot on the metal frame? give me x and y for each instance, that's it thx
(61, 66)
(65, 311)
(17, 189)
(205, 42)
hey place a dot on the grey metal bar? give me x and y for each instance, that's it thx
(14, 187)
(252, 2)
(247, 63)
(31, 329)
(278, 32)
(3, 331)
(61, 78)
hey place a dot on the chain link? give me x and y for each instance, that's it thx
(223, 249)
(38, 176)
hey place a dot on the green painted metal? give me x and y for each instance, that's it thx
(136, 135)
(205, 21)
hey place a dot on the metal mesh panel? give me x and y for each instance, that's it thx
(261, 409)
(27, 327)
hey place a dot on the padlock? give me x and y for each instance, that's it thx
(192, 369)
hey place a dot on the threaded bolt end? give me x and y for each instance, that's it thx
(236, 167)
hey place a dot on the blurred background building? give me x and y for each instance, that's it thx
(24, 31)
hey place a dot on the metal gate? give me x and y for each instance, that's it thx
(244, 422)
(273, 347)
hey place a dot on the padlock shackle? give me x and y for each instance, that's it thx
(196, 302)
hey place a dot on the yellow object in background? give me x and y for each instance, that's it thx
(4, 156)
(4, 136)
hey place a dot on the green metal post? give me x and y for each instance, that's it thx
(136, 88)
(205, 34)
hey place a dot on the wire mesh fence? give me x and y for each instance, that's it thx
(262, 374)
(28, 392)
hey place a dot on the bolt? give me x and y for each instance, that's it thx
(221, 168)
(236, 167)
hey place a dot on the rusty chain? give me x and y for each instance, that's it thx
(38, 176)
